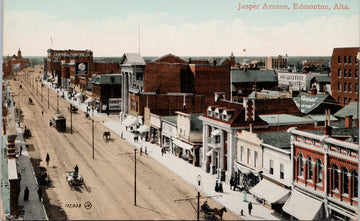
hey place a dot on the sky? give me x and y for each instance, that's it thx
(181, 27)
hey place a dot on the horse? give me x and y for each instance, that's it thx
(219, 212)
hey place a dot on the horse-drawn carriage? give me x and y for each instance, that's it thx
(211, 214)
(73, 109)
(74, 179)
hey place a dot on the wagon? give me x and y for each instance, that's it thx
(74, 179)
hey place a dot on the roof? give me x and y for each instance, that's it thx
(321, 117)
(309, 102)
(171, 119)
(323, 78)
(270, 94)
(106, 79)
(270, 191)
(350, 109)
(280, 139)
(241, 76)
(276, 106)
(285, 119)
(132, 59)
(169, 55)
(196, 123)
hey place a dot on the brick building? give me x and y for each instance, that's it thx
(279, 62)
(325, 174)
(345, 75)
(14, 63)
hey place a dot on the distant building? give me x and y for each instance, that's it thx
(312, 63)
(345, 75)
(325, 177)
(14, 64)
(321, 83)
(277, 63)
(246, 81)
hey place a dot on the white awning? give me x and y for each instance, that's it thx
(242, 168)
(89, 100)
(143, 129)
(303, 207)
(209, 152)
(130, 121)
(216, 132)
(271, 192)
(182, 144)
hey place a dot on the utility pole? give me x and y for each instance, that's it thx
(41, 94)
(48, 99)
(57, 103)
(93, 148)
(71, 118)
(198, 206)
(135, 179)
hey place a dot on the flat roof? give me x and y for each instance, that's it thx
(285, 119)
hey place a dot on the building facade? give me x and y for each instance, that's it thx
(14, 64)
(280, 62)
(325, 171)
(345, 75)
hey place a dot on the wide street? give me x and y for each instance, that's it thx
(109, 178)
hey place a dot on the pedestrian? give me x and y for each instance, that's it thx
(39, 191)
(47, 159)
(221, 187)
(217, 186)
(21, 148)
(231, 182)
(26, 194)
(162, 151)
(76, 169)
(250, 208)
(42, 113)
(19, 177)
(145, 150)
(242, 212)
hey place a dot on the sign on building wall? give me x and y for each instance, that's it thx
(114, 104)
(81, 68)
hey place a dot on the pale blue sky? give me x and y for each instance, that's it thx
(181, 27)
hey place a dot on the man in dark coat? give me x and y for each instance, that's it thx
(39, 193)
(47, 159)
(250, 208)
(26, 194)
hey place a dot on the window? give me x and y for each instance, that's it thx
(217, 139)
(301, 166)
(319, 171)
(345, 101)
(271, 167)
(349, 73)
(356, 88)
(345, 60)
(339, 59)
(355, 183)
(248, 157)
(339, 73)
(345, 88)
(349, 87)
(256, 159)
(309, 168)
(345, 181)
(345, 73)
(349, 59)
(356, 73)
(281, 171)
(339, 87)
(338, 100)
(335, 178)
(242, 154)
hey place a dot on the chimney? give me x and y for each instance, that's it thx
(328, 130)
(348, 121)
(313, 91)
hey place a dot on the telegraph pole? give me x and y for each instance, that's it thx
(48, 99)
(135, 179)
(93, 148)
(71, 118)
(57, 103)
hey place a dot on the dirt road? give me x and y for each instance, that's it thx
(109, 178)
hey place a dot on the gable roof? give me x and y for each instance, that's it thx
(132, 58)
(241, 76)
(350, 109)
(180, 60)
(309, 103)
(276, 106)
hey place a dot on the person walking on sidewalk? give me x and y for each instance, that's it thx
(250, 208)
(26, 194)
(21, 148)
(39, 191)
(162, 151)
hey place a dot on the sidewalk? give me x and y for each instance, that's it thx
(33, 209)
(232, 200)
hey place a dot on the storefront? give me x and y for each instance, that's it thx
(155, 129)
